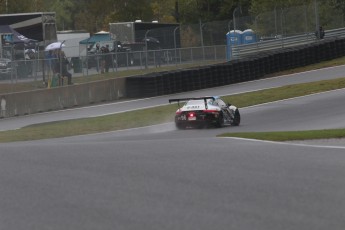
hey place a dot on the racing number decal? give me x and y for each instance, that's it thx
(182, 118)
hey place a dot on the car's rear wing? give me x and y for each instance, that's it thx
(191, 98)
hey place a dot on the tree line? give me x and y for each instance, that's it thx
(95, 15)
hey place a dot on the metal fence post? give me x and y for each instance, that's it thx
(146, 58)
(281, 25)
(175, 43)
(229, 25)
(275, 20)
(316, 18)
(234, 18)
(202, 39)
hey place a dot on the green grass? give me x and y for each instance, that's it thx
(158, 115)
(289, 135)
(106, 123)
(284, 92)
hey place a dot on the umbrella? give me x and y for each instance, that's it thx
(54, 46)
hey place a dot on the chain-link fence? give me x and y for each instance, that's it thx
(173, 45)
(296, 20)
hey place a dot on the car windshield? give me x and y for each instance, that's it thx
(195, 102)
(211, 102)
(200, 102)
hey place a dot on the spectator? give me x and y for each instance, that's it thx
(103, 59)
(30, 56)
(107, 58)
(98, 57)
(320, 34)
(61, 66)
(50, 60)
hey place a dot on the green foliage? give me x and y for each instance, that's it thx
(16, 6)
(210, 10)
(338, 4)
(63, 16)
(163, 11)
(95, 15)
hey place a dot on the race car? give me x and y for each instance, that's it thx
(205, 111)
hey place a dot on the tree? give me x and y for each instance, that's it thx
(295, 16)
(63, 10)
(90, 14)
(332, 13)
(164, 11)
(130, 10)
(15, 6)
(339, 4)
(210, 10)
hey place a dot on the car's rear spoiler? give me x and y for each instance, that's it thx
(191, 98)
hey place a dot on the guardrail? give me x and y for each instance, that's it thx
(234, 71)
(245, 50)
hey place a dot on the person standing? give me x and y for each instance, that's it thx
(107, 58)
(61, 66)
(320, 33)
(98, 54)
(49, 57)
(103, 57)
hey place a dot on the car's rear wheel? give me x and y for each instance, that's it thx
(220, 120)
(237, 118)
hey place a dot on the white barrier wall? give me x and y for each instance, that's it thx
(30, 102)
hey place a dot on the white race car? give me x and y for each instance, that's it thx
(205, 111)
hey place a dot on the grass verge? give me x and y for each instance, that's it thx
(290, 135)
(158, 115)
(126, 120)
(284, 92)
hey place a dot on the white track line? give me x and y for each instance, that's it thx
(287, 143)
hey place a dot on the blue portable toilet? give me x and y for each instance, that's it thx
(232, 38)
(235, 37)
(248, 36)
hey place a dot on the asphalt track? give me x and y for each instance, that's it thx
(161, 178)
